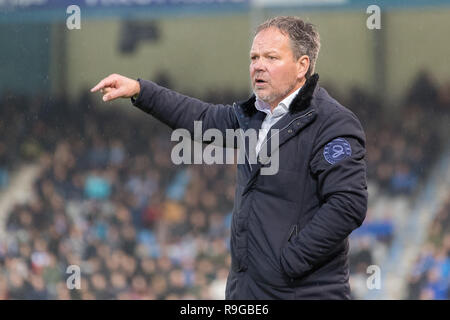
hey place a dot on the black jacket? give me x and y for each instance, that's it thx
(289, 232)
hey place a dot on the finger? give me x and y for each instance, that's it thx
(106, 90)
(107, 82)
(99, 85)
(113, 94)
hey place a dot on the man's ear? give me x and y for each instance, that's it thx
(302, 66)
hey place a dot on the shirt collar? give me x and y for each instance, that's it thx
(280, 109)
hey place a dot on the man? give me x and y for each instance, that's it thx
(289, 233)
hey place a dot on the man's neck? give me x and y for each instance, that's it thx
(276, 103)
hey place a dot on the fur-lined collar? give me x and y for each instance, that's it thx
(301, 101)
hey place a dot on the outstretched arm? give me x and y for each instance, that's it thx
(172, 108)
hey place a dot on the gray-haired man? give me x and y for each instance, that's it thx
(289, 233)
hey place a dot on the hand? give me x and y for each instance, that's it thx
(116, 86)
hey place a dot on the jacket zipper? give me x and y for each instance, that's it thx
(243, 141)
(278, 132)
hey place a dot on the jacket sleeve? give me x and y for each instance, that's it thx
(342, 189)
(180, 111)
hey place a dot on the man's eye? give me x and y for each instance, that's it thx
(253, 58)
(272, 57)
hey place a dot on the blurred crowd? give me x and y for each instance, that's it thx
(109, 199)
(402, 146)
(430, 277)
(403, 141)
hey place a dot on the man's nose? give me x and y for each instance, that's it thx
(258, 65)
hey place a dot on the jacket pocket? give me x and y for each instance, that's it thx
(292, 233)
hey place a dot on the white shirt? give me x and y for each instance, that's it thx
(272, 117)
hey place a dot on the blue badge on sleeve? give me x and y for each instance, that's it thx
(337, 150)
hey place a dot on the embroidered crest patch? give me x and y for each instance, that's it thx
(337, 150)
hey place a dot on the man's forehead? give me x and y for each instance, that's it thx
(270, 39)
(268, 50)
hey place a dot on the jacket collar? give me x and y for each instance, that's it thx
(300, 103)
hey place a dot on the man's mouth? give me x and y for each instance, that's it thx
(260, 82)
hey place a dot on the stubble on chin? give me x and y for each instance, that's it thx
(272, 97)
(267, 98)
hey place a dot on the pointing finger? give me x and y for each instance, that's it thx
(100, 85)
(108, 81)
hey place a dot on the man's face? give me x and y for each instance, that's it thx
(274, 72)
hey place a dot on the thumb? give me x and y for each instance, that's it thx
(113, 94)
